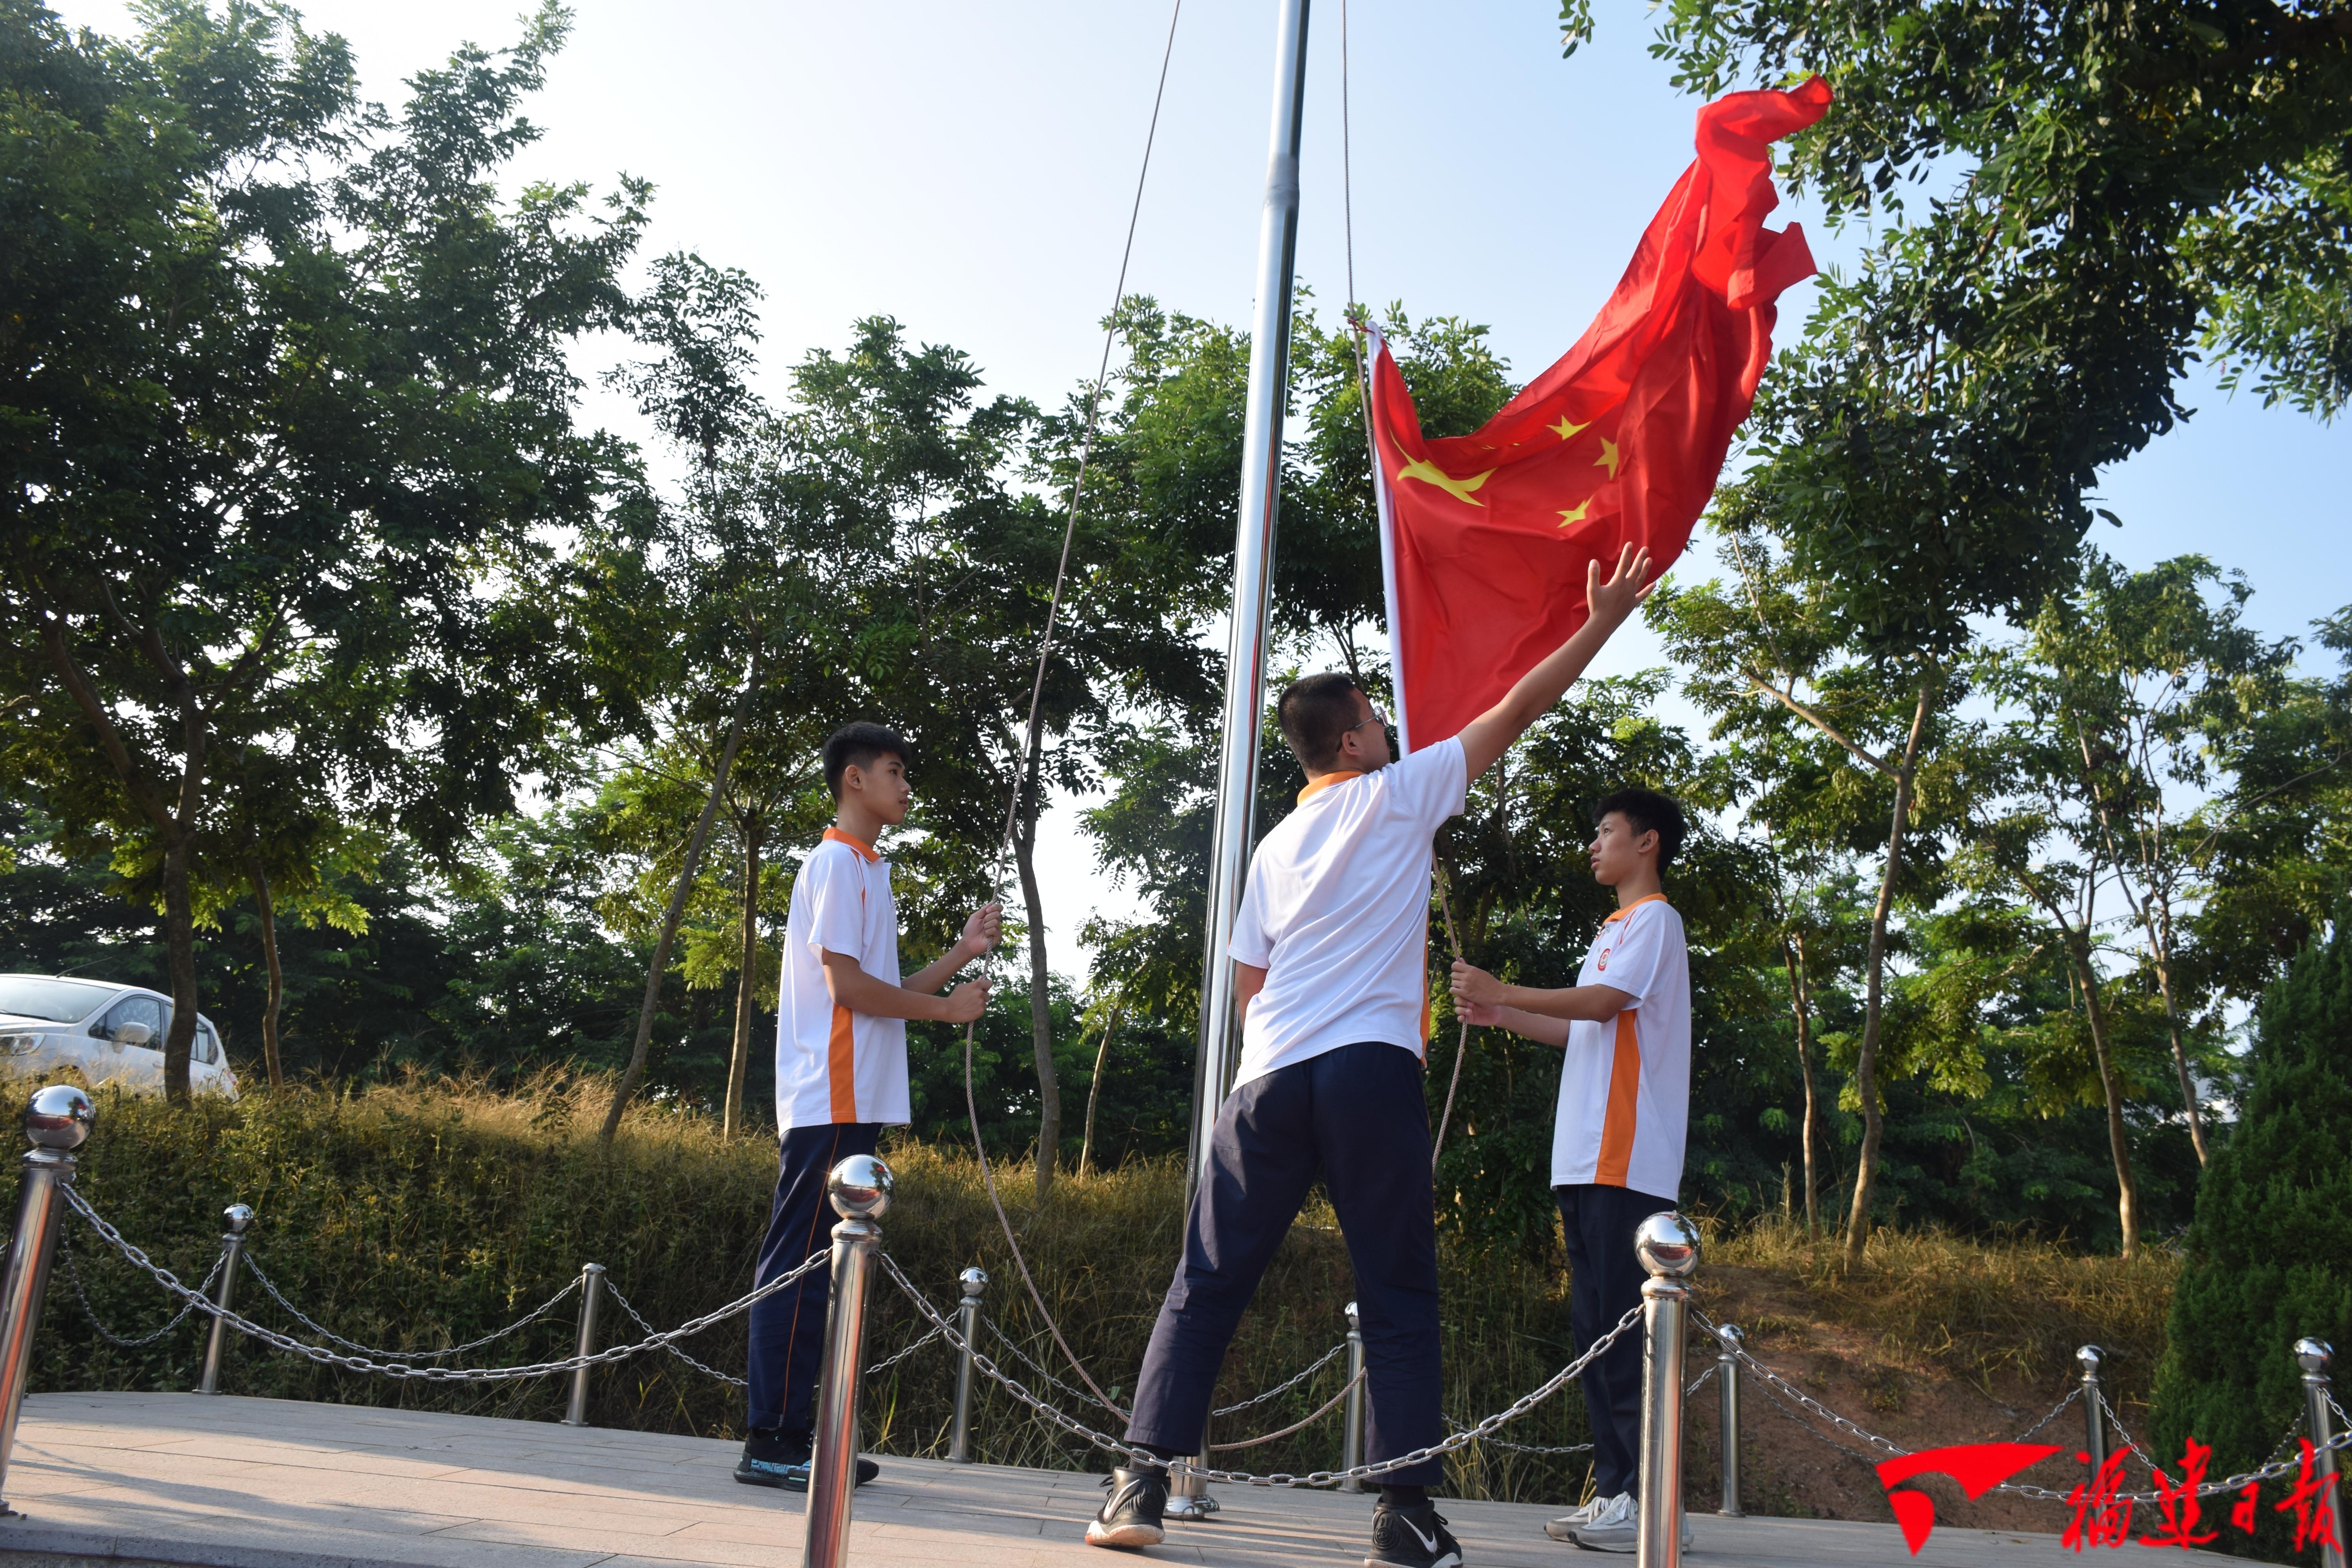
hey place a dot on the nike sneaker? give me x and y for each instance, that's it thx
(1412, 1538)
(1616, 1526)
(1558, 1529)
(1132, 1514)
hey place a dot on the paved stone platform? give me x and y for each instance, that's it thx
(153, 1478)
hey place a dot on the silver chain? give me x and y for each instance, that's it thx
(2056, 1410)
(73, 1272)
(171, 1283)
(1326, 1358)
(639, 1318)
(254, 1267)
(1461, 1439)
(2116, 1422)
(885, 1365)
(2269, 1470)
(1525, 1447)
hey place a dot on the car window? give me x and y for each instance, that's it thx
(52, 1000)
(206, 1048)
(134, 1009)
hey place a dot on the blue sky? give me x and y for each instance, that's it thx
(967, 169)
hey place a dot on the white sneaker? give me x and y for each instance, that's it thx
(1615, 1526)
(1558, 1529)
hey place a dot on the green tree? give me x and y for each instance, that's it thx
(2270, 1250)
(288, 423)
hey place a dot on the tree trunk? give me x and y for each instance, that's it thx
(2127, 1189)
(739, 1060)
(2159, 955)
(636, 1072)
(1041, 1008)
(1792, 953)
(269, 911)
(1094, 1093)
(1865, 1066)
(180, 945)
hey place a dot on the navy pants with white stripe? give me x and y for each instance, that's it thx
(788, 1328)
(1356, 1116)
(1604, 1281)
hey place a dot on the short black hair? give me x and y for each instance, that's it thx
(1649, 812)
(1315, 711)
(857, 746)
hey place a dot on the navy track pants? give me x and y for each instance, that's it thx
(1604, 1279)
(788, 1328)
(1356, 1116)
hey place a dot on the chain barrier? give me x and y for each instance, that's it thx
(73, 1272)
(2056, 1410)
(1109, 1444)
(2269, 1469)
(639, 1318)
(1300, 1425)
(295, 1312)
(171, 1283)
(2115, 1424)
(1525, 1447)
(1326, 1358)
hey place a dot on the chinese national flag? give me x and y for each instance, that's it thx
(1485, 538)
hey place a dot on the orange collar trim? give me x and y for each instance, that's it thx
(1328, 780)
(865, 851)
(1637, 903)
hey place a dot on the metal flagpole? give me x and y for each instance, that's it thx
(1277, 249)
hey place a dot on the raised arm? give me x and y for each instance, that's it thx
(1474, 987)
(1490, 734)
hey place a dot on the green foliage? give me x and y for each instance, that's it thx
(2270, 1252)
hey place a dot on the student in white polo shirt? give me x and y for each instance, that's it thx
(1625, 1108)
(841, 1073)
(1330, 957)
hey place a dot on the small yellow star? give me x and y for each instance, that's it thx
(1608, 458)
(1576, 513)
(1568, 428)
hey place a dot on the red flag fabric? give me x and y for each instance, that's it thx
(1485, 537)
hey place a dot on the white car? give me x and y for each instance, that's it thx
(108, 1034)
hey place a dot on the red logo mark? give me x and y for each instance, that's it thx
(1977, 1467)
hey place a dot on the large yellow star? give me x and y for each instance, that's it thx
(1608, 458)
(1568, 428)
(1576, 513)
(1431, 474)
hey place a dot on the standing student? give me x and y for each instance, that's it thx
(841, 1074)
(1329, 956)
(1617, 1137)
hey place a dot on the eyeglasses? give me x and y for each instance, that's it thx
(1377, 718)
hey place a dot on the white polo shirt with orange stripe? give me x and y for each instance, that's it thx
(834, 1065)
(1337, 912)
(1624, 1085)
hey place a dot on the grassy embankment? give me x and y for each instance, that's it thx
(420, 1216)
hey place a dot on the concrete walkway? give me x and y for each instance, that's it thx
(141, 1478)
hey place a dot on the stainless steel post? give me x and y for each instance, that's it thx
(1727, 1374)
(58, 1121)
(860, 1189)
(1351, 1449)
(2312, 1356)
(2095, 1413)
(1667, 1244)
(232, 1260)
(975, 1282)
(1269, 381)
(592, 1293)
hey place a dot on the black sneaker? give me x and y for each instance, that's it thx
(772, 1459)
(1412, 1538)
(1130, 1516)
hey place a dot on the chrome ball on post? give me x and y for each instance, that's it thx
(860, 1188)
(238, 1215)
(60, 1117)
(1667, 1244)
(2313, 1355)
(973, 1280)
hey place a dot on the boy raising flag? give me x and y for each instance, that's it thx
(841, 1073)
(1328, 953)
(1617, 1136)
